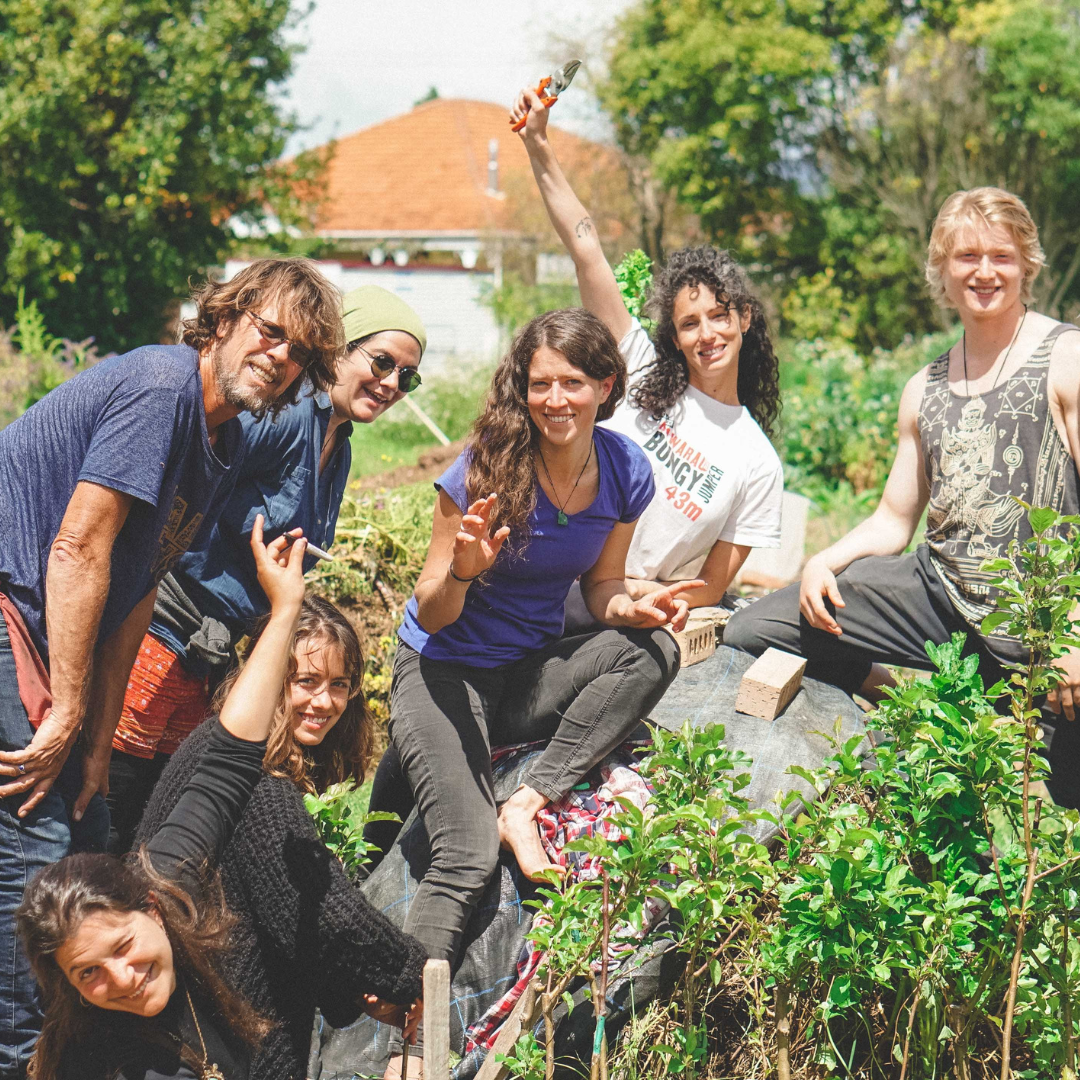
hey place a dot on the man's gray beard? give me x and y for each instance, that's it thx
(228, 383)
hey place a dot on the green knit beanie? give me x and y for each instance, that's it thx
(371, 309)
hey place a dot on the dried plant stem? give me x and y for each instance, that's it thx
(783, 1032)
(907, 1036)
(547, 1008)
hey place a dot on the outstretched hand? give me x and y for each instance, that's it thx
(475, 548)
(662, 607)
(528, 104)
(280, 566)
(405, 1017)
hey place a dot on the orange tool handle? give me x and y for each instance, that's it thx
(547, 102)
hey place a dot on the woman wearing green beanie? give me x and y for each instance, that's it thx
(294, 471)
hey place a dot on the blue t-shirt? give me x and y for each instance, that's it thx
(134, 423)
(278, 478)
(518, 607)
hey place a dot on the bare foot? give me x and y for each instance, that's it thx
(518, 832)
(872, 689)
(414, 1070)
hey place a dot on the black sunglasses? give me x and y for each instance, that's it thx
(273, 335)
(384, 367)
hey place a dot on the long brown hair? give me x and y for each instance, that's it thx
(54, 907)
(345, 752)
(309, 310)
(503, 438)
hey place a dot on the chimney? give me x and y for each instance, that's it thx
(493, 167)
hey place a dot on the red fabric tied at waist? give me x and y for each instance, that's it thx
(35, 689)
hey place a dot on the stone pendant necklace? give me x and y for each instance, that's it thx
(561, 517)
(975, 404)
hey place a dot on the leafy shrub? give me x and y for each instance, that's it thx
(913, 922)
(840, 410)
(33, 361)
(340, 824)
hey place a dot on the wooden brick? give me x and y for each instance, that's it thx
(770, 683)
(522, 1018)
(697, 642)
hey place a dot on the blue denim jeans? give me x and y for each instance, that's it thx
(26, 846)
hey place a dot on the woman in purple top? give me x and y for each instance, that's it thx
(540, 497)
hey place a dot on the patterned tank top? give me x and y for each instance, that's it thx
(979, 452)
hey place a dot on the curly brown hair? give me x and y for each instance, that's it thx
(503, 438)
(666, 379)
(54, 907)
(346, 751)
(309, 310)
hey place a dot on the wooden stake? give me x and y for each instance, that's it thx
(436, 1020)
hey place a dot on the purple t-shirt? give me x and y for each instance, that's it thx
(518, 607)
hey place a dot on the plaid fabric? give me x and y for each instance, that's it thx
(584, 811)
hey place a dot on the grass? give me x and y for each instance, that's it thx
(452, 400)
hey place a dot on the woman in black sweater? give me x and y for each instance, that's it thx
(128, 954)
(305, 935)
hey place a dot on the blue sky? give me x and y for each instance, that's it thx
(368, 60)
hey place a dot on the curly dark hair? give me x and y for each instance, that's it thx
(309, 310)
(54, 907)
(346, 751)
(666, 379)
(503, 438)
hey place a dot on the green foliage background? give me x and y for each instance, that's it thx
(133, 130)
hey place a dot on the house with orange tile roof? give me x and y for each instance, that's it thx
(433, 203)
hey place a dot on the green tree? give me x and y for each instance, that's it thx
(133, 131)
(996, 100)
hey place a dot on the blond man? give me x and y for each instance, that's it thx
(994, 417)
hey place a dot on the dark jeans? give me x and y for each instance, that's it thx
(26, 846)
(893, 606)
(131, 782)
(583, 695)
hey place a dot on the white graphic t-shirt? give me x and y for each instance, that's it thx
(717, 477)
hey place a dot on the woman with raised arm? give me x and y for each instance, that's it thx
(128, 953)
(305, 937)
(539, 497)
(703, 398)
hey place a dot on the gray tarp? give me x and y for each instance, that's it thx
(704, 693)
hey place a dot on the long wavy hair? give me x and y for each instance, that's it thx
(54, 907)
(346, 751)
(503, 438)
(309, 310)
(666, 379)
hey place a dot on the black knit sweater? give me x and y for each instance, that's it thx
(306, 936)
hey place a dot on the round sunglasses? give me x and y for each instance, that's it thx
(384, 367)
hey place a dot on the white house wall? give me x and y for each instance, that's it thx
(460, 327)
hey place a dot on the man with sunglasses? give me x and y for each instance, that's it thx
(104, 484)
(294, 473)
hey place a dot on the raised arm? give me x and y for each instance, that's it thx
(596, 282)
(214, 798)
(461, 549)
(887, 531)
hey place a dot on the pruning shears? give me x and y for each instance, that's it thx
(551, 86)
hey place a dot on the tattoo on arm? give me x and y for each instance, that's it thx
(583, 228)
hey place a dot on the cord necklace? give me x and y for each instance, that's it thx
(561, 517)
(208, 1071)
(1001, 365)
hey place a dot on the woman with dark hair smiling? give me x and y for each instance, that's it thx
(128, 955)
(539, 497)
(703, 400)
